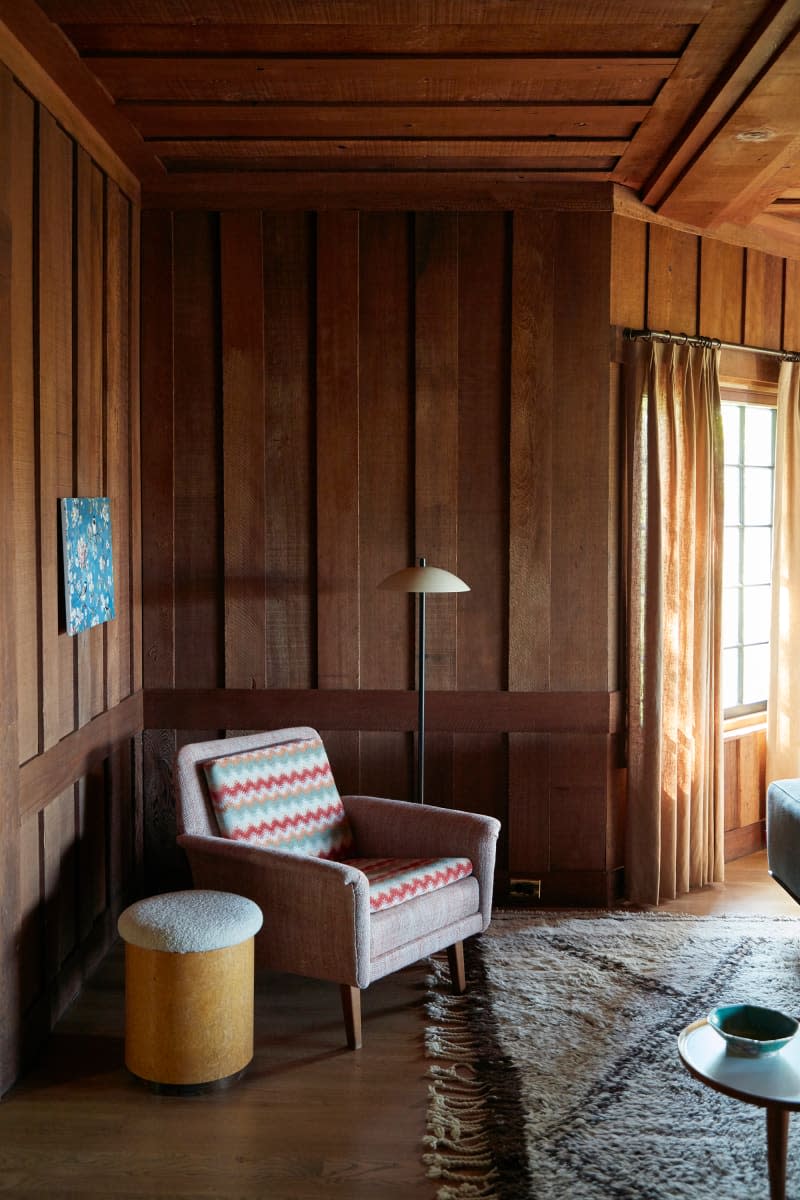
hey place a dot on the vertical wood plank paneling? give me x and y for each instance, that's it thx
(135, 556)
(89, 408)
(436, 466)
(10, 987)
(385, 449)
(337, 482)
(484, 337)
(244, 431)
(628, 272)
(533, 393)
(158, 449)
(791, 308)
(530, 527)
(585, 529)
(30, 938)
(20, 176)
(159, 609)
(55, 415)
(584, 525)
(289, 350)
(199, 632)
(721, 290)
(59, 880)
(117, 361)
(91, 849)
(763, 299)
(672, 279)
(483, 448)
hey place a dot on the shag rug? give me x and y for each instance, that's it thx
(557, 1077)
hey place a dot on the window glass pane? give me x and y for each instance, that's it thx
(730, 678)
(757, 554)
(730, 431)
(730, 557)
(732, 477)
(755, 674)
(757, 495)
(755, 614)
(730, 616)
(758, 435)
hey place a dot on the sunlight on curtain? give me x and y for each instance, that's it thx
(783, 706)
(675, 822)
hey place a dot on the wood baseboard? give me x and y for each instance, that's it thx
(747, 840)
(565, 889)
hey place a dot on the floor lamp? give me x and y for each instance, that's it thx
(422, 579)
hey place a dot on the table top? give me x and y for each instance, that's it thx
(767, 1079)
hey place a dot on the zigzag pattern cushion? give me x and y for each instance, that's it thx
(394, 880)
(281, 796)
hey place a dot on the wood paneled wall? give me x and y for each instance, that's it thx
(72, 706)
(326, 397)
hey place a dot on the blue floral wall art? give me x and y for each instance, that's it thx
(88, 562)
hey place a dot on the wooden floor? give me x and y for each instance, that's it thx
(309, 1120)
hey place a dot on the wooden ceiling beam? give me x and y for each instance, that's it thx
(371, 79)
(375, 12)
(415, 191)
(753, 155)
(162, 121)
(229, 37)
(687, 107)
(42, 60)
(549, 150)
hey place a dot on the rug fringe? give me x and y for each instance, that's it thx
(459, 1150)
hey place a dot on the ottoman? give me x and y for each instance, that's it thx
(783, 834)
(189, 988)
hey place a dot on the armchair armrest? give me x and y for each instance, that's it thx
(400, 829)
(292, 890)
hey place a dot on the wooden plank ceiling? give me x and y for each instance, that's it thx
(692, 104)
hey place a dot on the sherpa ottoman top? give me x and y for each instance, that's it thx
(190, 922)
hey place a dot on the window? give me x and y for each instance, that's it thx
(749, 431)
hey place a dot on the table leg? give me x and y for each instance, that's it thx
(777, 1141)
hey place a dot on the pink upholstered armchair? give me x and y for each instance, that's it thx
(351, 888)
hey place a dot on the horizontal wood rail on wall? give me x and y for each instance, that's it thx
(370, 711)
(46, 776)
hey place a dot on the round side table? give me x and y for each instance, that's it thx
(771, 1081)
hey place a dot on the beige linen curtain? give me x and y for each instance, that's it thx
(675, 817)
(783, 706)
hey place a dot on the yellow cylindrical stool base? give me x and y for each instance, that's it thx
(188, 1017)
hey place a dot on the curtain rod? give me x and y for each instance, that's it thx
(687, 339)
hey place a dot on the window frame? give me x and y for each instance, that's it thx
(747, 716)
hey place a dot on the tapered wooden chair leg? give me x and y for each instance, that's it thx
(458, 977)
(351, 1007)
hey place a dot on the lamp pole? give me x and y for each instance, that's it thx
(421, 699)
(422, 579)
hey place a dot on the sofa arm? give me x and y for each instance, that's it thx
(783, 834)
(316, 913)
(401, 829)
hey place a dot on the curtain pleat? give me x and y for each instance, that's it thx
(675, 823)
(783, 706)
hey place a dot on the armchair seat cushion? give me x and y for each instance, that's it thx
(281, 796)
(393, 881)
(392, 930)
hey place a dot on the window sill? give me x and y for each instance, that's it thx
(736, 727)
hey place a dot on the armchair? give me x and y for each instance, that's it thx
(352, 888)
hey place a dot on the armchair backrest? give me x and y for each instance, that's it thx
(193, 803)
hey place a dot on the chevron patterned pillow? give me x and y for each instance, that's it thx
(281, 796)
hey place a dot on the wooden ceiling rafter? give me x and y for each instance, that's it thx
(443, 103)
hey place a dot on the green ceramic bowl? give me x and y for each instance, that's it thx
(752, 1031)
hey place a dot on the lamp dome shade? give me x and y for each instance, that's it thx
(423, 579)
